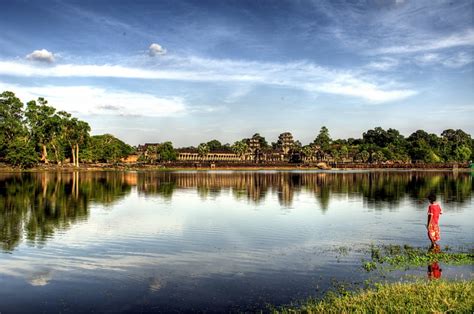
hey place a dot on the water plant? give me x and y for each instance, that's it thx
(403, 257)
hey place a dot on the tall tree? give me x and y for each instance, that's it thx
(203, 150)
(323, 140)
(11, 120)
(76, 133)
(240, 148)
(42, 124)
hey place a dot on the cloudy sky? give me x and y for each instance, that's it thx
(191, 71)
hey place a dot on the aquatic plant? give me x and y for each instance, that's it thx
(403, 257)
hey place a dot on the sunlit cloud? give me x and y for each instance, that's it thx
(95, 100)
(156, 50)
(42, 55)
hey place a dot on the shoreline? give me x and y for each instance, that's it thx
(262, 167)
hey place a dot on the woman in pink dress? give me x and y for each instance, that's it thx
(434, 210)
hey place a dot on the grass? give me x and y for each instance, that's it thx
(403, 257)
(437, 296)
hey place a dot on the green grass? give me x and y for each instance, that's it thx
(403, 257)
(437, 296)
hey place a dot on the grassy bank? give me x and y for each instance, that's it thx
(419, 297)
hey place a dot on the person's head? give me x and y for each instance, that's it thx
(432, 198)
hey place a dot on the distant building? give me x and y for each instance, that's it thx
(189, 154)
(285, 143)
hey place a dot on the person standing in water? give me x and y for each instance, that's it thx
(434, 210)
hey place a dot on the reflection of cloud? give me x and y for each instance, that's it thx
(156, 284)
(40, 279)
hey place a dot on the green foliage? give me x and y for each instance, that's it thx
(323, 140)
(436, 296)
(462, 153)
(21, 153)
(11, 118)
(106, 148)
(203, 149)
(396, 257)
(240, 147)
(166, 152)
(214, 145)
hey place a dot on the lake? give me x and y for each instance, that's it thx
(212, 241)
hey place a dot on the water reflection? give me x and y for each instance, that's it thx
(434, 270)
(36, 205)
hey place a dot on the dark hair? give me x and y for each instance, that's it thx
(432, 198)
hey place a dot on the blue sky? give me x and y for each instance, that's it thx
(192, 71)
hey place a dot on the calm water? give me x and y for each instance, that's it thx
(210, 241)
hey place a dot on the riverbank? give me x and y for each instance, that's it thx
(434, 296)
(176, 166)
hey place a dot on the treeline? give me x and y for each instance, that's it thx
(37, 132)
(375, 145)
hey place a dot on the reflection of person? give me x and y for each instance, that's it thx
(434, 210)
(434, 271)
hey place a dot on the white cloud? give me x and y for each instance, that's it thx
(42, 55)
(98, 101)
(384, 64)
(457, 60)
(365, 90)
(454, 40)
(297, 75)
(156, 50)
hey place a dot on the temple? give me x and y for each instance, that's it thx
(252, 150)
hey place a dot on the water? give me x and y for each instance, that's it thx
(210, 241)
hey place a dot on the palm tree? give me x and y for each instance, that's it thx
(203, 150)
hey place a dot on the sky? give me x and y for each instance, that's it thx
(192, 71)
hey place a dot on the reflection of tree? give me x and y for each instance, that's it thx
(37, 204)
(378, 189)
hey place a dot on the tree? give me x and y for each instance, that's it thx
(203, 150)
(308, 151)
(323, 140)
(462, 153)
(21, 152)
(240, 148)
(76, 133)
(42, 123)
(11, 120)
(377, 136)
(106, 148)
(214, 145)
(166, 152)
(451, 140)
